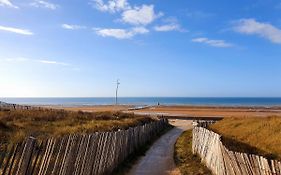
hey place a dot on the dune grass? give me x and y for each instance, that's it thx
(260, 136)
(15, 125)
(188, 163)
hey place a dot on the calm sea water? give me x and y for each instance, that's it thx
(147, 101)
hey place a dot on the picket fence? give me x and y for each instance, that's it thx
(221, 161)
(97, 153)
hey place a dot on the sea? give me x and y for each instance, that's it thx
(141, 101)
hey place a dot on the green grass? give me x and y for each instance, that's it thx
(260, 136)
(15, 125)
(188, 163)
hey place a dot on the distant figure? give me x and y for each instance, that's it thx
(158, 104)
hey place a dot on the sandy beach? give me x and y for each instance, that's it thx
(98, 108)
(200, 111)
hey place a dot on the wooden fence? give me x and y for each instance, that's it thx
(97, 153)
(11, 106)
(221, 161)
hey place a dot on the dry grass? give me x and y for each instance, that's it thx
(15, 125)
(188, 163)
(252, 135)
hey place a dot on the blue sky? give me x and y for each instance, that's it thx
(195, 48)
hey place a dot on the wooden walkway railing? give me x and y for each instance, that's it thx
(221, 161)
(97, 153)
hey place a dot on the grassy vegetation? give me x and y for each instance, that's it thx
(15, 125)
(188, 163)
(252, 135)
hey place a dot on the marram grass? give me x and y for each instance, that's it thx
(256, 135)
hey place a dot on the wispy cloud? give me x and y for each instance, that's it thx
(47, 62)
(170, 24)
(211, 42)
(16, 30)
(72, 26)
(120, 33)
(52, 62)
(44, 4)
(140, 15)
(42, 61)
(167, 27)
(253, 27)
(7, 3)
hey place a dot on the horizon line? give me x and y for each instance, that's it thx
(149, 97)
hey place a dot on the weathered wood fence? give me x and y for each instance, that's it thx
(221, 161)
(11, 106)
(97, 153)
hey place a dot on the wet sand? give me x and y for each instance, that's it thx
(99, 108)
(199, 111)
(215, 111)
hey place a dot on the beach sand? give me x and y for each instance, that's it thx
(194, 111)
(98, 108)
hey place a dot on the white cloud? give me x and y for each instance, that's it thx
(7, 3)
(140, 30)
(253, 27)
(16, 30)
(111, 6)
(135, 15)
(72, 27)
(121, 33)
(214, 43)
(44, 4)
(116, 33)
(140, 15)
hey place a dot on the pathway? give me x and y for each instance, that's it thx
(159, 159)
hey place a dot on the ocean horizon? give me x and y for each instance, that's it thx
(191, 101)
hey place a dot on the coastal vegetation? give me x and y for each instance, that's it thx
(187, 162)
(255, 135)
(15, 125)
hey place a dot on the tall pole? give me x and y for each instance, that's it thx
(116, 93)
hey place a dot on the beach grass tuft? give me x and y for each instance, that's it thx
(187, 162)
